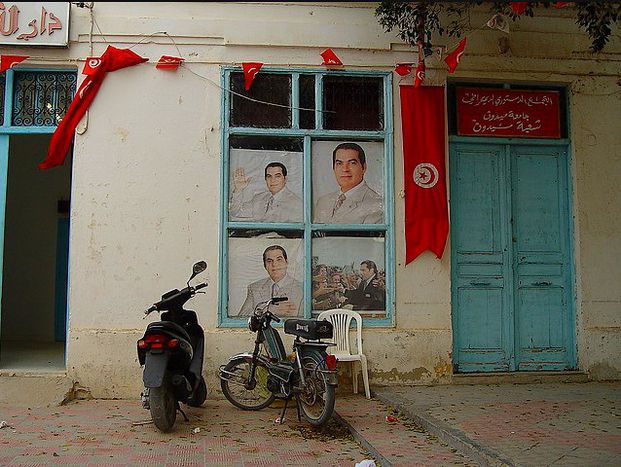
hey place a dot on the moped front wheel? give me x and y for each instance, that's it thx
(200, 394)
(163, 406)
(240, 390)
(316, 398)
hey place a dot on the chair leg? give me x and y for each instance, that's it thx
(365, 377)
(354, 377)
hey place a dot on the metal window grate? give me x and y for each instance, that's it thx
(42, 98)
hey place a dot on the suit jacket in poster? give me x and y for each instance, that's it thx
(286, 207)
(367, 298)
(261, 290)
(363, 206)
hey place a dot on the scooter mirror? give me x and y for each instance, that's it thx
(197, 269)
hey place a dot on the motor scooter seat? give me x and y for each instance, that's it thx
(168, 327)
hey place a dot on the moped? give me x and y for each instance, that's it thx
(252, 381)
(171, 352)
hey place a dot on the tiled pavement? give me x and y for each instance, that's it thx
(535, 424)
(100, 432)
(576, 424)
(393, 439)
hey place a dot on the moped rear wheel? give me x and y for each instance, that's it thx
(240, 391)
(317, 397)
(163, 406)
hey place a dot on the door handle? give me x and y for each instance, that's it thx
(480, 283)
(539, 284)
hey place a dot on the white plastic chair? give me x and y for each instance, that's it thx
(341, 320)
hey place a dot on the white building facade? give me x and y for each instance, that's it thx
(149, 187)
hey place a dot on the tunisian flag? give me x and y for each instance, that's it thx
(96, 70)
(426, 214)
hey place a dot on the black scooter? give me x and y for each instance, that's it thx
(172, 354)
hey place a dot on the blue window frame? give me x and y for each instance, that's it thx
(296, 141)
(35, 100)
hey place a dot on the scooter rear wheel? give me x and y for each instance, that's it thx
(163, 406)
(240, 391)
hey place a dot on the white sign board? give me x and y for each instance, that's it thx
(34, 23)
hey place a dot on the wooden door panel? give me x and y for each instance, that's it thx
(541, 262)
(482, 338)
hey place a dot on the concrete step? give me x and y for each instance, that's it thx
(521, 377)
(29, 389)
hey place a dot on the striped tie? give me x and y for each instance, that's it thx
(338, 204)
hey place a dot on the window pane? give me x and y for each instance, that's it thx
(350, 189)
(353, 103)
(272, 88)
(42, 98)
(349, 272)
(307, 101)
(265, 266)
(265, 185)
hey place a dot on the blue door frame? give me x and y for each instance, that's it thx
(512, 269)
(6, 130)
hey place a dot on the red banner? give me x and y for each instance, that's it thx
(504, 112)
(424, 140)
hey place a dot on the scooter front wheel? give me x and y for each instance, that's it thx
(199, 396)
(163, 406)
(240, 391)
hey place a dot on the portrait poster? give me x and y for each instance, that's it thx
(338, 272)
(363, 204)
(250, 198)
(249, 282)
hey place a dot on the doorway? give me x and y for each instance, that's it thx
(512, 300)
(33, 313)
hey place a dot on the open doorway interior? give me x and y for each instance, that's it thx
(35, 266)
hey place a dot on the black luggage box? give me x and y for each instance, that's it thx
(310, 329)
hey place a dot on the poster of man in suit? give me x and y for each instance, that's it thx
(348, 182)
(265, 267)
(265, 186)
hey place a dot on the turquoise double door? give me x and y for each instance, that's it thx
(512, 299)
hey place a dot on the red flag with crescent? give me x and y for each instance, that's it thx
(330, 58)
(91, 65)
(111, 60)
(403, 69)
(167, 62)
(250, 70)
(7, 61)
(452, 59)
(426, 211)
(420, 74)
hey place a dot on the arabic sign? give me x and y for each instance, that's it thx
(34, 23)
(504, 112)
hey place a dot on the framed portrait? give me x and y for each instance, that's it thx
(265, 266)
(265, 186)
(350, 190)
(349, 272)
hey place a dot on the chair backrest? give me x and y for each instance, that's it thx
(341, 320)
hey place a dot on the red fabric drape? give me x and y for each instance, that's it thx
(423, 127)
(111, 60)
